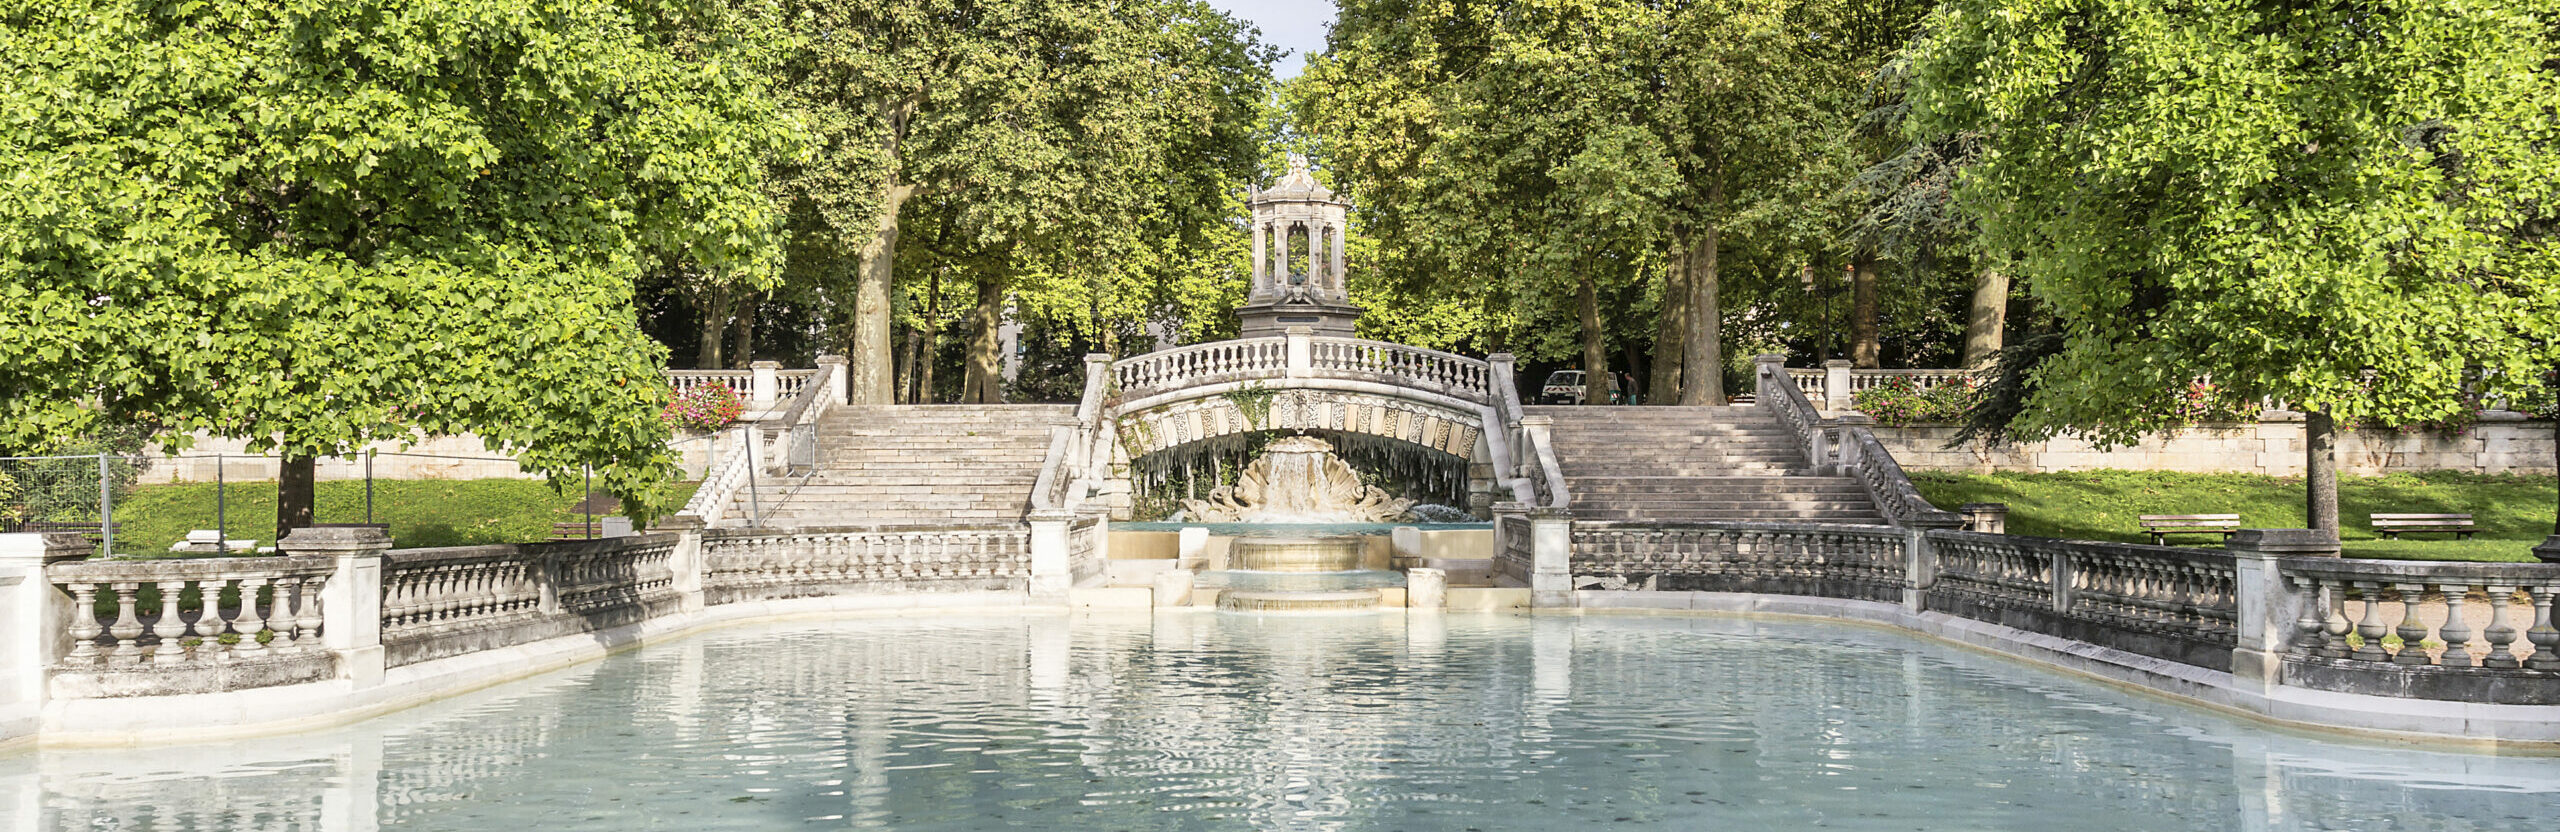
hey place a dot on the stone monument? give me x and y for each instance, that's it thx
(1297, 259)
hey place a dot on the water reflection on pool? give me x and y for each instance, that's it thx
(1362, 722)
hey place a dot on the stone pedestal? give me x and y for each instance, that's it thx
(1551, 553)
(351, 602)
(2268, 605)
(1426, 589)
(1273, 318)
(1173, 588)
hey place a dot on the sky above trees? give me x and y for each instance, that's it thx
(1294, 25)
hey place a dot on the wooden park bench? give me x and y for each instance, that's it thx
(577, 530)
(2393, 525)
(2161, 526)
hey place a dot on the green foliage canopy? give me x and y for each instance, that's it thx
(315, 224)
(2346, 205)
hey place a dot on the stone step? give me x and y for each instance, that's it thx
(1601, 513)
(1765, 469)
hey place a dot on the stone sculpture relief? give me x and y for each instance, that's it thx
(1298, 480)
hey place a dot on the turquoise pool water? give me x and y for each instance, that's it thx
(1217, 721)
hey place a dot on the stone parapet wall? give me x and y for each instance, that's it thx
(2498, 444)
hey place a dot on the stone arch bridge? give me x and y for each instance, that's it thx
(1160, 402)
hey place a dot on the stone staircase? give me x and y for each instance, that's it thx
(1676, 464)
(921, 464)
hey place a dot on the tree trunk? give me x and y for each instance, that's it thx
(1671, 331)
(743, 350)
(1865, 352)
(925, 392)
(2320, 471)
(713, 304)
(1989, 316)
(984, 381)
(1702, 361)
(907, 365)
(295, 493)
(1597, 383)
(870, 376)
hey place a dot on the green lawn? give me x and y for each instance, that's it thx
(422, 513)
(2514, 512)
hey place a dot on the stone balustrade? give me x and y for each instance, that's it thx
(2161, 601)
(1433, 370)
(1198, 363)
(147, 627)
(747, 564)
(1845, 447)
(1302, 355)
(449, 601)
(1835, 561)
(2478, 632)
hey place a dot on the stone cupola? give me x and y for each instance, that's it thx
(1298, 276)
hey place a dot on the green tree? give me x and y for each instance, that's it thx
(1035, 130)
(2344, 206)
(318, 224)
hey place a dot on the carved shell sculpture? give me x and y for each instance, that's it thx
(1266, 490)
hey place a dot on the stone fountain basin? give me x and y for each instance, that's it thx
(1332, 553)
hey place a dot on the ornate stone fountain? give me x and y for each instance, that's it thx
(1298, 480)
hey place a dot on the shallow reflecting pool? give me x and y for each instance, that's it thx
(1220, 721)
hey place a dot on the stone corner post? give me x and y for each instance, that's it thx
(1051, 574)
(32, 618)
(1919, 568)
(764, 387)
(351, 602)
(834, 368)
(1835, 385)
(2268, 605)
(1987, 518)
(685, 561)
(1302, 350)
(1770, 371)
(1551, 558)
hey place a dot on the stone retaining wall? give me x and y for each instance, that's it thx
(2501, 443)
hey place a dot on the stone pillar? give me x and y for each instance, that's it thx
(833, 367)
(1404, 544)
(1341, 270)
(764, 388)
(1194, 551)
(1835, 385)
(2269, 605)
(1302, 350)
(1426, 589)
(32, 616)
(1173, 588)
(1771, 371)
(1987, 518)
(686, 559)
(1551, 554)
(1920, 568)
(1051, 574)
(1261, 261)
(351, 602)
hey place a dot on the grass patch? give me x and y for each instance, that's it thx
(422, 513)
(2513, 512)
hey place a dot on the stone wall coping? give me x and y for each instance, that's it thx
(152, 570)
(328, 540)
(882, 528)
(435, 553)
(2264, 542)
(2102, 546)
(2424, 570)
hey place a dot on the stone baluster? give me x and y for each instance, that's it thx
(307, 613)
(2501, 633)
(2306, 628)
(2334, 626)
(171, 630)
(2412, 632)
(248, 624)
(128, 627)
(2369, 628)
(2545, 638)
(84, 623)
(2455, 632)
